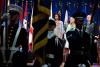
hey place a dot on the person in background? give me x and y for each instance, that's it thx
(59, 29)
(71, 25)
(90, 29)
(77, 53)
(90, 25)
(14, 49)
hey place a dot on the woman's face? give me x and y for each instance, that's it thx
(72, 20)
(56, 17)
(89, 18)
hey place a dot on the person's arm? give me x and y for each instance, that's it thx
(23, 39)
(62, 31)
(62, 27)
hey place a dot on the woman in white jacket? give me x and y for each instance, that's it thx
(59, 29)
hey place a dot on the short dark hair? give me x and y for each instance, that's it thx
(52, 23)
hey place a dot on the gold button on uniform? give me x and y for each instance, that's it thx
(9, 37)
(8, 40)
(11, 30)
(10, 33)
(12, 27)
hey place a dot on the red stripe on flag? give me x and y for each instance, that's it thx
(30, 38)
(31, 31)
(21, 17)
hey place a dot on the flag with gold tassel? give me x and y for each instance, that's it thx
(40, 24)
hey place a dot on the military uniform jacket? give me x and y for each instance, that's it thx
(11, 32)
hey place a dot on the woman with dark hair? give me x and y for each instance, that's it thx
(59, 29)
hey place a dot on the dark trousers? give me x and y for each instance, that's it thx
(74, 60)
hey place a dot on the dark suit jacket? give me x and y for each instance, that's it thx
(22, 39)
(56, 49)
(79, 45)
(77, 41)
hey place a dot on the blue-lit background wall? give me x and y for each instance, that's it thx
(72, 6)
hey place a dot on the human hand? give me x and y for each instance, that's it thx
(62, 64)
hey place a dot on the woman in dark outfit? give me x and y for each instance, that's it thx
(79, 45)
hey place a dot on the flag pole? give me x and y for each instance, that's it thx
(7, 2)
(31, 27)
(51, 10)
(3, 48)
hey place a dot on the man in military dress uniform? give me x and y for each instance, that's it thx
(79, 45)
(14, 48)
